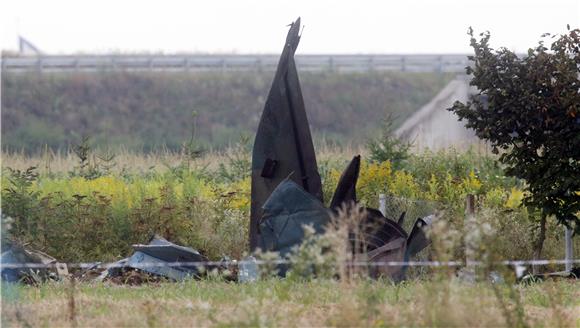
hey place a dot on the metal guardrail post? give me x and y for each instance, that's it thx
(259, 65)
(371, 63)
(471, 240)
(569, 249)
(383, 204)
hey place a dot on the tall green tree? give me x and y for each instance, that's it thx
(528, 108)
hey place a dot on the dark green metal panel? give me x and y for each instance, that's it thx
(345, 192)
(283, 146)
(286, 212)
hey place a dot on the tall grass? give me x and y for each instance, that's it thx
(203, 202)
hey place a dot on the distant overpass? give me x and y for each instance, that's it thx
(343, 63)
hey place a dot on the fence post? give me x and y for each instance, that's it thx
(569, 249)
(330, 63)
(39, 65)
(371, 64)
(469, 230)
(439, 64)
(383, 204)
(259, 65)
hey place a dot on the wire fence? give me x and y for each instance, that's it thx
(100, 265)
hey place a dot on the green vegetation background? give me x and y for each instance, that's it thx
(144, 111)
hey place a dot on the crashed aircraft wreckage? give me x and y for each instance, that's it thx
(17, 254)
(286, 185)
(152, 257)
(283, 145)
(286, 195)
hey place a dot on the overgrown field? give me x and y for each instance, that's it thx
(146, 111)
(444, 303)
(91, 207)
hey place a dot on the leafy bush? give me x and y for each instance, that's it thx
(527, 108)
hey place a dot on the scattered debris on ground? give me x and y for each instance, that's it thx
(572, 274)
(159, 258)
(21, 255)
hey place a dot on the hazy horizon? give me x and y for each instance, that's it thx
(259, 27)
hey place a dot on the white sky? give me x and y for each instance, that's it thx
(222, 26)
